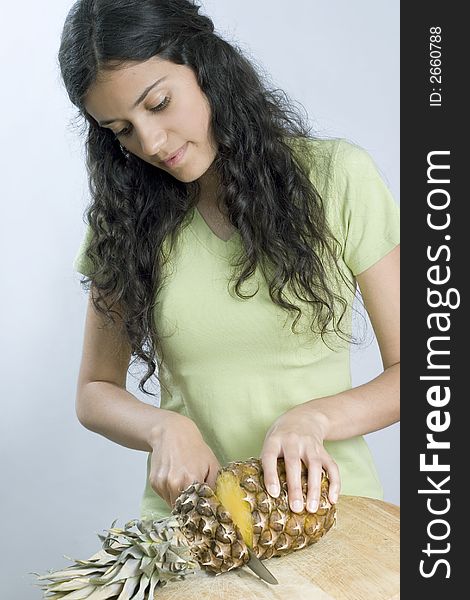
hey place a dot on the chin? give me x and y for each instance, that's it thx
(184, 178)
(189, 175)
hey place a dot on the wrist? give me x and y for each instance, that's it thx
(167, 420)
(158, 427)
(318, 418)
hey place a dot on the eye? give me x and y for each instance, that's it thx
(123, 132)
(163, 104)
(126, 131)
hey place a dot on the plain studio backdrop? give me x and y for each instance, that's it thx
(62, 484)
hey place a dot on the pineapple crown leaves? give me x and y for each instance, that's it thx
(132, 562)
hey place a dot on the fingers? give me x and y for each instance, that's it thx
(314, 478)
(335, 480)
(314, 485)
(211, 474)
(270, 474)
(294, 482)
(164, 486)
(169, 483)
(179, 457)
(315, 461)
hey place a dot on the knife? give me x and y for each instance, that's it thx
(257, 567)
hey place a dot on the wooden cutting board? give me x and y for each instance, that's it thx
(357, 560)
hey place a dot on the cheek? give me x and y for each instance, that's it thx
(201, 119)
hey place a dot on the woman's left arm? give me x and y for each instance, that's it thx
(298, 434)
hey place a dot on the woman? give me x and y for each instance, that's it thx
(224, 246)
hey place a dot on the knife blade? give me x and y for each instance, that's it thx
(257, 567)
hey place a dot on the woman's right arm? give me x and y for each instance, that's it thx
(103, 405)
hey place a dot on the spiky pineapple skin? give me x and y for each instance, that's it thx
(276, 529)
(214, 539)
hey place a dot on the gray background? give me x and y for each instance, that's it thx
(62, 484)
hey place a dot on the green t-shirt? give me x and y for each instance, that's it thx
(234, 366)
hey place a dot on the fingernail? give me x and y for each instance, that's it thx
(297, 506)
(313, 506)
(273, 490)
(334, 497)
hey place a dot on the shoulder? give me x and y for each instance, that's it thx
(329, 154)
(314, 154)
(352, 163)
(331, 162)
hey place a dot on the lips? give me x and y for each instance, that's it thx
(176, 157)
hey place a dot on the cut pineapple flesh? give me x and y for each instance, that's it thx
(232, 497)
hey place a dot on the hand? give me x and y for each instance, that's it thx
(179, 457)
(298, 435)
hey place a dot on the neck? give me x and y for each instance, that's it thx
(209, 183)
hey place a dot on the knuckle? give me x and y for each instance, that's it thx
(314, 483)
(291, 438)
(270, 442)
(313, 492)
(270, 451)
(268, 460)
(314, 458)
(330, 461)
(296, 492)
(175, 484)
(333, 473)
(157, 482)
(292, 462)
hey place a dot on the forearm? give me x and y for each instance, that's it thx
(116, 414)
(360, 410)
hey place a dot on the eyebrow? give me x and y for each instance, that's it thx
(140, 99)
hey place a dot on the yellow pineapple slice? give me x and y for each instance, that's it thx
(232, 497)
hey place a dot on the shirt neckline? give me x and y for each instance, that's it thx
(209, 239)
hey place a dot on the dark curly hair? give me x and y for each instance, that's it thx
(262, 163)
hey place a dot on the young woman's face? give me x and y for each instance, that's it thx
(155, 119)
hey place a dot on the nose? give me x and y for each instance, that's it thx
(151, 141)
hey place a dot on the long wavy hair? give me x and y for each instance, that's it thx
(262, 164)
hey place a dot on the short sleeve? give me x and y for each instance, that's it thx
(81, 263)
(368, 216)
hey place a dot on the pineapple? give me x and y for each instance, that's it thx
(267, 524)
(214, 531)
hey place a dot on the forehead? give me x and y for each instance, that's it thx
(117, 89)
